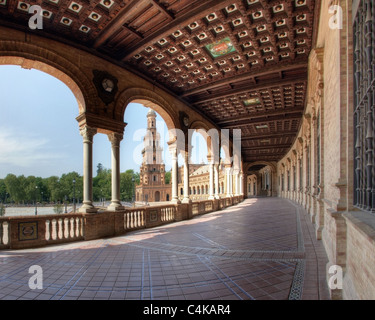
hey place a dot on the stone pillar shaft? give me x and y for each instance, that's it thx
(228, 170)
(88, 134)
(173, 151)
(115, 139)
(211, 181)
(216, 176)
(186, 178)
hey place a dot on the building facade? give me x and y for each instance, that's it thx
(152, 186)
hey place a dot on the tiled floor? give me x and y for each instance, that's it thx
(263, 248)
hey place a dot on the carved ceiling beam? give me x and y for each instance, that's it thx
(162, 9)
(269, 136)
(270, 146)
(271, 84)
(117, 23)
(249, 117)
(180, 22)
(246, 76)
(253, 122)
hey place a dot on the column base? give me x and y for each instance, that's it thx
(86, 208)
(175, 201)
(115, 207)
(186, 200)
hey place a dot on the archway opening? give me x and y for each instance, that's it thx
(39, 136)
(261, 179)
(147, 135)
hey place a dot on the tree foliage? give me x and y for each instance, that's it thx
(54, 189)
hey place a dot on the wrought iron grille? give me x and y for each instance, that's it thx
(364, 98)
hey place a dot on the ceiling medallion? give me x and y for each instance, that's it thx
(107, 3)
(47, 14)
(84, 29)
(23, 6)
(220, 48)
(66, 21)
(95, 16)
(75, 7)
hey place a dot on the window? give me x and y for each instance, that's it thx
(364, 99)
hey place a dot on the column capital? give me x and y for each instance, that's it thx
(115, 138)
(87, 133)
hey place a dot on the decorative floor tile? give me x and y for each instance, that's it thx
(250, 251)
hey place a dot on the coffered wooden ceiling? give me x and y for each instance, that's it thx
(241, 63)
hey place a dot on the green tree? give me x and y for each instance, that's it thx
(102, 184)
(15, 187)
(99, 169)
(3, 190)
(167, 177)
(66, 186)
(127, 185)
(53, 185)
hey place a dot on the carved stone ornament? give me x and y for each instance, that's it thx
(184, 120)
(106, 85)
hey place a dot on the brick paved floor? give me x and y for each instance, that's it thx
(263, 248)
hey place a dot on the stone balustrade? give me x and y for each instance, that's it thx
(36, 231)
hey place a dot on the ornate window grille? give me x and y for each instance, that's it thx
(364, 98)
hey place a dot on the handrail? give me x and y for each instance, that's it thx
(34, 231)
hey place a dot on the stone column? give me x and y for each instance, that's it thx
(186, 198)
(241, 183)
(235, 179)
(211, 181)
(115, 139)
(228, 172)
(88, 134)
(173, 151)
(216, 177)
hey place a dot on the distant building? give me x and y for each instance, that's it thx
(199, 181)
(152, 186)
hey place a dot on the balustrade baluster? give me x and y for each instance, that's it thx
(71, 228)
(60, 228)
(48, 234)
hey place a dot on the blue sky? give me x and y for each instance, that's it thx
(39, 134)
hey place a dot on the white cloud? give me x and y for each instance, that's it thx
(24, 150)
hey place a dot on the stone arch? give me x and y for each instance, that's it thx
(273, 165)
(212, 138)
(247, 166)
(149, 99)
(30, 56)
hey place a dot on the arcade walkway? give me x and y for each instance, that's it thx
(263, 248)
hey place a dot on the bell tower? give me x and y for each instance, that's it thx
(152, 171)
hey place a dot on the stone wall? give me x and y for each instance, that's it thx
(347, 233)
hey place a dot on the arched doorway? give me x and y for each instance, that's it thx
(261, 179)
(157, 196)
